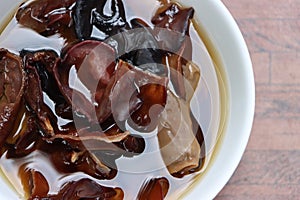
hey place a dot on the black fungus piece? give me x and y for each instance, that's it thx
(113, 23)
(83, 18)
(139, 47)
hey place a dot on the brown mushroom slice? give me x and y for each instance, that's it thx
(44, 16)
(87, 189)
(132, 144)
(12, 83)
(115, 101)
(34, 183)
(119, 143)
(25, 140)
(44, 62)
(172, 24)
(93, 153)
(96, 136)
(85, 71)
(34, 99)
(176, 63)
(154, 189)
(93, 141)
(96, 57)
(154, 98)
(144, 99)
(179, 146)
(69, 156)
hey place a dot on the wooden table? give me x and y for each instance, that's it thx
(270, 167)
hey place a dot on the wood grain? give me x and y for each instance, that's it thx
(270, 168)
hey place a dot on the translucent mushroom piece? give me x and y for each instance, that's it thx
(179, 147)
(179, 135)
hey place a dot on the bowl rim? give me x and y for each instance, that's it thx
(235, 58)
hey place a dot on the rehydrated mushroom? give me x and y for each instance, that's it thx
(179, 146)
(88, 66)
(93, 65)
(12, 84)
(72, 156)
(121, 82)
(143, 101)
(155, 188)
(139, 47)
(43, 96)
(172, 23)
(175, 62)
(34, 183)
(34, 99)
(172, 32)
(36, 187)
(83, 17)
(46, 17)
(26, 140)
(90, 13)
(39, 68)
(44, 61)
(91, 152)
(180, 136)
(87, 189)
(118, 143)
(113, 23)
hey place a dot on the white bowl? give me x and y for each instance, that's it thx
(227, 40)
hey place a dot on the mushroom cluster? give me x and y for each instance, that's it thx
(100, 86)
